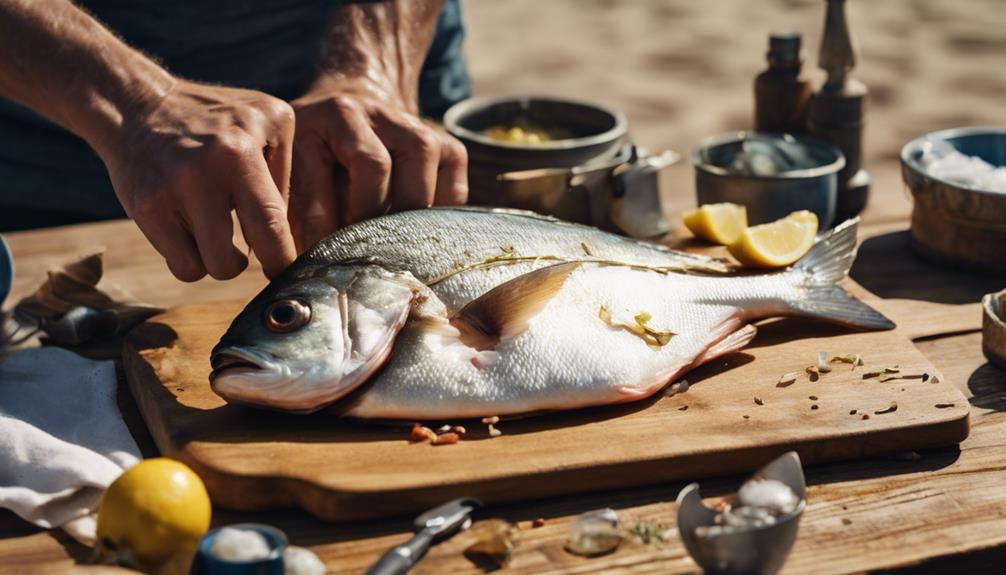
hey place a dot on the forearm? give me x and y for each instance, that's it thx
(379, 47)
(63, 64)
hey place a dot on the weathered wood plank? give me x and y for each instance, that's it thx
(862, 516)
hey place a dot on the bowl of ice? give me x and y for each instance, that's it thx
(957, 179)
(772, 175)
(972, 159)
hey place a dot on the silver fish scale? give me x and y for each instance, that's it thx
(463, 252)
(618, 327)
(431, 375)
(543, 368)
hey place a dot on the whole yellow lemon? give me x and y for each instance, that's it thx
(155, 510)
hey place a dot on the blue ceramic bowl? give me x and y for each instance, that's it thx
(207, 564)
(6, 270)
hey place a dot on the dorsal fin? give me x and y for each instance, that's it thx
(505, 310)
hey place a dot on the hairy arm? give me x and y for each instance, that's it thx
(60, 62)
(181, 155)
(379, 49)
(361, 148)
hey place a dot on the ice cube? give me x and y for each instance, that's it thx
(594, 533)
(763, 156)
(232, 544)
(774, 496)
(300, 561)
(942, 161)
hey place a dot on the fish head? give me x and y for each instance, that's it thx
(312, 336)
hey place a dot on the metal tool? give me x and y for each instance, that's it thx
(761, 550)
(435, 525)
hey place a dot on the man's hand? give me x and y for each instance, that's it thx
(181, 156)
(361, 148)
(358, 154)
(199, 153)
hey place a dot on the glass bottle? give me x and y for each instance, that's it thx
(781, 93)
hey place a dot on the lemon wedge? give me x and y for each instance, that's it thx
(717, 223)
(776, 244)
(154, 513)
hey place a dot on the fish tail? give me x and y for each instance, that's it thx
(817, 275)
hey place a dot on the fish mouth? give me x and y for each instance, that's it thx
(234, 360)
(243, 376)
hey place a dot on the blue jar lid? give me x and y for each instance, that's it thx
(6, 270)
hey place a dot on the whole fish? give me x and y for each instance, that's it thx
(462, 312)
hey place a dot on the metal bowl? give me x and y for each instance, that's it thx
(768, 198)
(593, 176)
(761, 550)
(597, 132)
(598, 138)
(952, 223)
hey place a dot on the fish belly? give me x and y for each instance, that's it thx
(579, 351)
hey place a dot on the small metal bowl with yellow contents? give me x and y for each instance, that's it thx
(567, 158)
(527, 132)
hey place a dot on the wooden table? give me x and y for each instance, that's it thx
(930, 510)
(681, 71)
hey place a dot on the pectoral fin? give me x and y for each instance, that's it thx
(505, 310)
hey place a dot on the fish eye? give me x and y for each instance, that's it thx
(287, 315)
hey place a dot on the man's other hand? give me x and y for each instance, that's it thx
(360, 153)
(180, 168)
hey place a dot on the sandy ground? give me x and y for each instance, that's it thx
(683, 70)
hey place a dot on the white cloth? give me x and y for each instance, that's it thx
(62, 438)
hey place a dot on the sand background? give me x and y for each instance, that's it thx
(683, 70)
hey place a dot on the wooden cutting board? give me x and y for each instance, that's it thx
(341, 470)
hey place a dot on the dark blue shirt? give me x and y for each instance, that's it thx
(273, 46)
